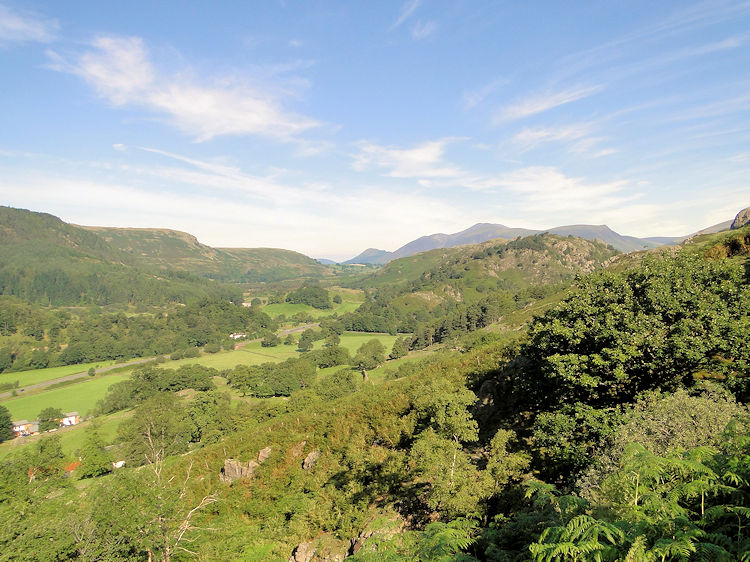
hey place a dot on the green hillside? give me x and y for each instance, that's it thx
(442, 293)
(614, 428)
(164, 250)
(46, 261)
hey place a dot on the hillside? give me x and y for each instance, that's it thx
(44, 260)
(440, 293)
(47, 261)
(164, 249)
(483, 232)
(621, 411)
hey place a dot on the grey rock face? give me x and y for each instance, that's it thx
(234, 470)
(742, 218)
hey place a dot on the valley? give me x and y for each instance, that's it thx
(457, 393)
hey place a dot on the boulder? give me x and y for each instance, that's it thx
(263, 454)
(310, 460)
(304, 552)
(742, 218)
(234, 470)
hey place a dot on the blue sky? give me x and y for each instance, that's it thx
(330, 127)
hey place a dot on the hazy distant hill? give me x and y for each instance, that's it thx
(483, 232)
(47, 261)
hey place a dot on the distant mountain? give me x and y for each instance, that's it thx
(483, 232)
(48, 261)
(371, 255)
(326, 261)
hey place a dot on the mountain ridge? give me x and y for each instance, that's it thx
(483, 232)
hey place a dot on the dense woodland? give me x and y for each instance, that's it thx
(613, 426)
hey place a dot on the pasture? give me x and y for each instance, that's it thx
(80, 397)
(26, 378)
(71, 438)
(350, 301)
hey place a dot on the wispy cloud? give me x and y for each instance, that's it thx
(686, 19)
(472, 98)
(538, 103)
(578, 138)
(407, 9)
(422, 30)
(25, 27)
(121, 71)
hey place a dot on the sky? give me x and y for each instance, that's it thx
(331, 127)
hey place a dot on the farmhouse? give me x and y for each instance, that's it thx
(237, 335)
(71, 418)
(24, 427)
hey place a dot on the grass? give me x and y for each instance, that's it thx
(354, 340)
(26, 378)
(81, 397)
(255, 354)
(351, 299)
(71, 438)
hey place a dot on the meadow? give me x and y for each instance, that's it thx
(350, 301)
(72, 438)
(80, 397)
(26, 378)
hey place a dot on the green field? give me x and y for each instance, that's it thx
(26, 378)
(80, 397)
(353, 341)
(288, 309)
(254, 354)
(351, 300)
(71, 438)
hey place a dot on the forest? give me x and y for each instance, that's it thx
(610, 424)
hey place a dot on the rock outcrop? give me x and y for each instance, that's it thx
(263, 454)
(304, 552)
(742, 218)
(310, 460)
(234, 470)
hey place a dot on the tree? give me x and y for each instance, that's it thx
(270, 340)
(6, 425)
(502, 465)
(6, 359)
(456, 486)
(400, 348)
(95, 461)
(159, 427)
(49, 418)
(370, 354)
(656, 327)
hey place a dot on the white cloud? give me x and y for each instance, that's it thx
(538, 103)
(422, 30)
(422, 161)
(120, 70)
(407, 9)
(23, 27)
(553, 189)
(225, 211)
